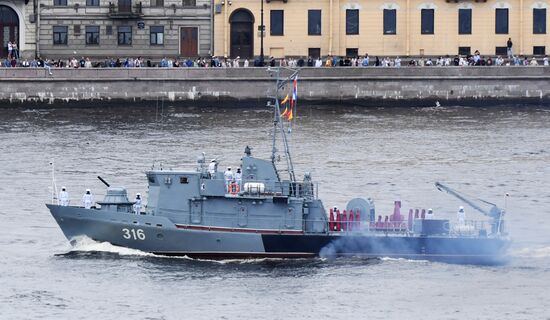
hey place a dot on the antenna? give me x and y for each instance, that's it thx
(54, 184)
(278, 124)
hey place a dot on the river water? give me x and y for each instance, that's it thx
(385, 153)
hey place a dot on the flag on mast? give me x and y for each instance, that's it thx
(294, 92)
(285, 100)
(285, 113)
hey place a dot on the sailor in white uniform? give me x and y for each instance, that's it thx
(238, 177)
(461, 216)
(228, 175)
(137, 203)
(213, 168)
(88, 199)
(63, 199)
(430, 214)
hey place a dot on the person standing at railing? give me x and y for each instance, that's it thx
(88, 199)
(461, 216)
(228, 174)
(14, 51)
(213, 168)
(430, 214)
(238, 177)
(63, 197)
(10, 49)
(509, 45)
(137, 204)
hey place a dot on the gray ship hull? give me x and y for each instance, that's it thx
(160, 235)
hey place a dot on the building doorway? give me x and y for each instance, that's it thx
(189, 41)
(9, 29)
(242, 34)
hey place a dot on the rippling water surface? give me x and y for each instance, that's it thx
(387, 154)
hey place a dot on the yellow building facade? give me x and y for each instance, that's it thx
(379, 27)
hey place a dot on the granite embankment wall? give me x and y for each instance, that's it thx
(371, 86)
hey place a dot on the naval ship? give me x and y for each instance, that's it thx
(270, 213)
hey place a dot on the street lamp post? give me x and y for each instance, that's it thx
(262, 28)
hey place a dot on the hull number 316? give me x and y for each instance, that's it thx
(134, 234)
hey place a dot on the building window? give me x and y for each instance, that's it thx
(539, 50)
(352, 52)
(352, 21)
(157, 35)
(427, 21)
(464, 51)
(60, 35)
(501, 51)
(539, 21)
(277, 20)
(314, 22)
(59, 2)
(124, 35)
(464, 21)
(189, 3)
(157, 3)
(314, 52)
(92, 3)
(92, 35)
(501, 21)
(390, 21)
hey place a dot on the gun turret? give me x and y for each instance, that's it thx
(104, 182)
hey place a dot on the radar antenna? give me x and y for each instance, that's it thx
(278, 124)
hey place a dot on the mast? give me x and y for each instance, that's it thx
(278, 124)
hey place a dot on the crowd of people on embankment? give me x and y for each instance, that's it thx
(330, 61)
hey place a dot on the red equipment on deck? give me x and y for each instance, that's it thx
(331, 219)
(344, 221)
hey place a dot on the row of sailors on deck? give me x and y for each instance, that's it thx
(88, 200)
(229, 176)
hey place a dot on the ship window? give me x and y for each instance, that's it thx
(184, 180)
(151, 179)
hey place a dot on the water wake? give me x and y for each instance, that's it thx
(404, 260)
(85, 244)
(540, 252)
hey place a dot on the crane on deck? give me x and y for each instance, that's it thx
(494, 212)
